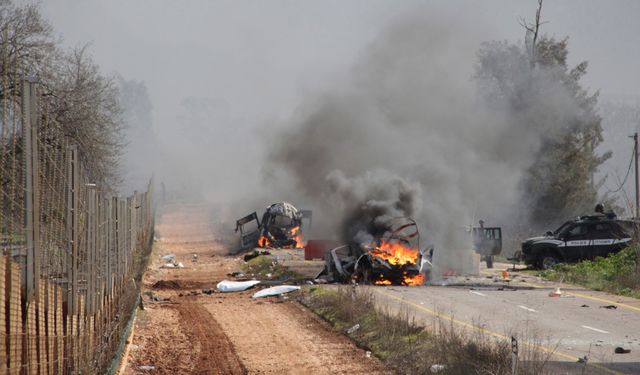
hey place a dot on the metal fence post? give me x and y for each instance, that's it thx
(73, 210)
(91, 249)
(32, 190)
(108, 244)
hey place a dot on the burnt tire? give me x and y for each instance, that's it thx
(548, 260)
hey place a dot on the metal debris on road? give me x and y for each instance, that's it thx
(171, 261)
(169, 257)
(609, 307)
(236, 286)
(275, 291)
(255, 254)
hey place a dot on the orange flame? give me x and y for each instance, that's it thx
(263, 241)
(299, 237)
(398, 254)
(416, 280)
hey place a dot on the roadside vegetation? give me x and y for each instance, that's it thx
(618, 273)
(266, 267)
(408, 347)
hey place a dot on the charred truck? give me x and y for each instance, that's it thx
(391, 258)
(280, 227)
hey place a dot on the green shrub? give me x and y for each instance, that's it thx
(617, 273)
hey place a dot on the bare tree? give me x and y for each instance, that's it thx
(89, 111)
(533, 30)
(83, 101)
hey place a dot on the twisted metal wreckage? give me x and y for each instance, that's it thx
(391, 258)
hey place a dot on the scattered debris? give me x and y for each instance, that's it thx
(275, 291)
(147, 368)
(208, 291)
(171, 262)
(194, 259)
(437, 368)
(621, 350)
(236, 286)
(609, 307)
(556, 293)
(368, 353)
(255, 254)
(584, 359)
(353, 329)
(169, 258)
(235, 274)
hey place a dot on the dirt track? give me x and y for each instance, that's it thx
(182, 331)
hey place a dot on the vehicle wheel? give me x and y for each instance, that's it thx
(548, 260)
(489, 260)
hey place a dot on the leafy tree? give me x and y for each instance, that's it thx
(542, 96)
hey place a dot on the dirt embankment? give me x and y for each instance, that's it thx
(183, 331)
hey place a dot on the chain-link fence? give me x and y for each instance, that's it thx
(71, 251)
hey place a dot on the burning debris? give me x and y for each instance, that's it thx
(281, 227)
(391, 259)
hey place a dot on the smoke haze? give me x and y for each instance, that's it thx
(366, 107)
(408, 135)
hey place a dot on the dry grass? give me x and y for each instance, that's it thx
(408, 347)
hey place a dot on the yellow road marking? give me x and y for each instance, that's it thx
(579, 295)
(495, 334)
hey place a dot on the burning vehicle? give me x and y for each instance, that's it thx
(393, 258)
(280, 227)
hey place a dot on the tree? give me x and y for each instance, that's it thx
(82, 100)
(88, 108)
(532, 83)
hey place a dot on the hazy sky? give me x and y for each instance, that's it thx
(255, 61)
(256, 56)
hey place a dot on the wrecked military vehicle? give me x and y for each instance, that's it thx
(487, 241)
(393, 258)
(280, 227)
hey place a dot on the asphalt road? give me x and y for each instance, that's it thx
(565, 328)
